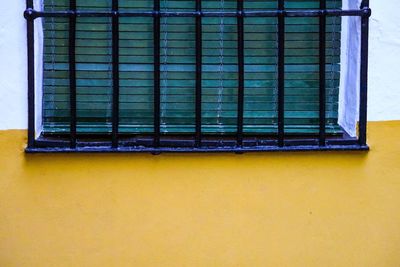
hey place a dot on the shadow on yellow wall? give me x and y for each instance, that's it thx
(269, 209)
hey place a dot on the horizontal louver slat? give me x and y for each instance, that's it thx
(177, 43)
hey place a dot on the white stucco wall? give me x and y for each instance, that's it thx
(384, 74)
(13, 96)
(384, 69)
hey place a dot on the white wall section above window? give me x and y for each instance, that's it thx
(13, 67)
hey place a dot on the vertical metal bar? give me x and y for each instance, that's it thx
(322, 74)
(115, 73)
(31, 75)
(240, 47)
(157, 100)
(72, 72)
(199, 63)
(281, 73)
(364, 74)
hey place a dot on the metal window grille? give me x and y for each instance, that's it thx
(157, 142)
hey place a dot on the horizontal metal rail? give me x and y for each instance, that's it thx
(106, 149)
(185, 145)
(33, 14)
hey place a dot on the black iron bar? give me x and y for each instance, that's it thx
(231, 144)
(157, 92)
(130, 149)
(240, 49)
(281, 73)
(115, 74)
(177, 142)
(261, 13)
(322, 75)
(364, 73)
(31, 76)
(199, 72)
(72, 73)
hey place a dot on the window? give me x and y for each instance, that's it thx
(216, 75)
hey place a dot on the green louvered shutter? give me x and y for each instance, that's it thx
(219, 105)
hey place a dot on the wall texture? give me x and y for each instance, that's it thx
(272, 209)
(267, 209)
(13, 77)
(384, 76)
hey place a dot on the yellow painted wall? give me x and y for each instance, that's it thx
(270, 209)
